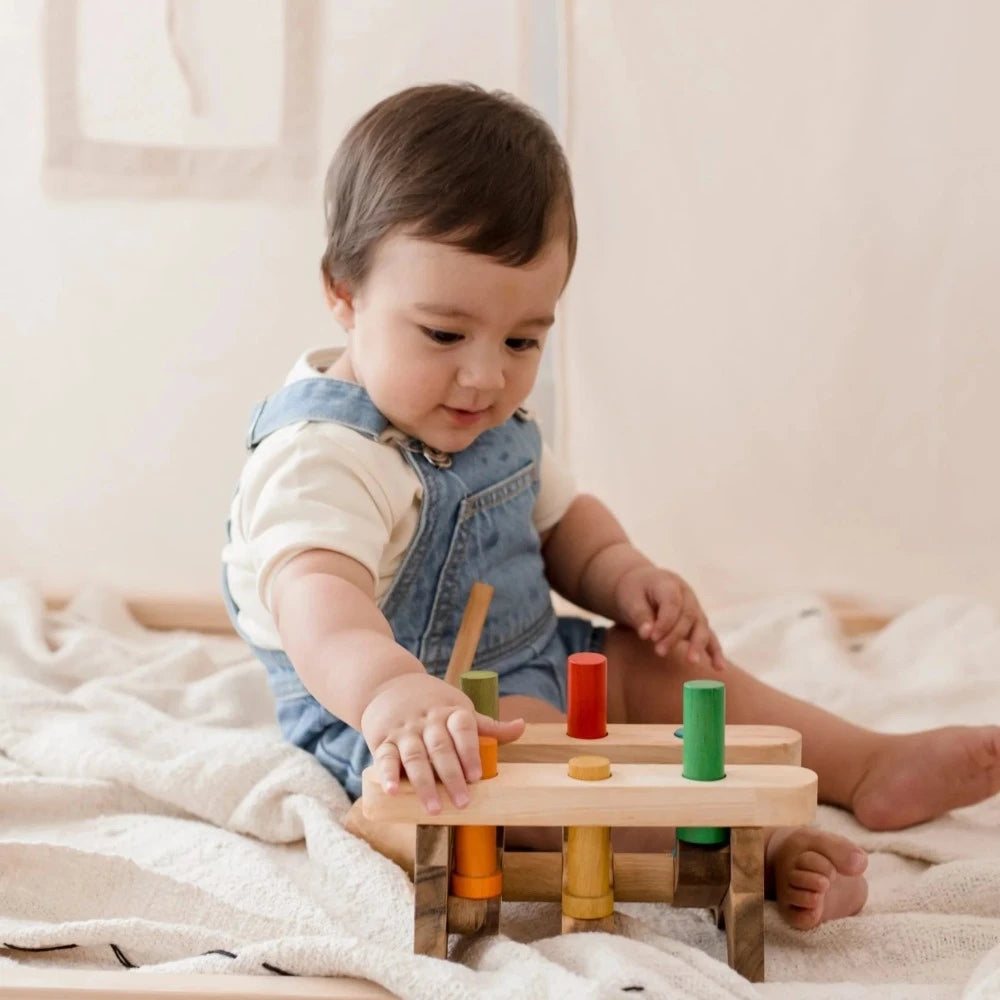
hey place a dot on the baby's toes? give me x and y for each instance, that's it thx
(836, 851)
(808, 881)
(815, 863)
(802, 899)
(803, 890)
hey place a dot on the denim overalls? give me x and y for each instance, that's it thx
(475, 524)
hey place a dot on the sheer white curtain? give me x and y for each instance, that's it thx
(781, 361)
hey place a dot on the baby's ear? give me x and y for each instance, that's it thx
(340, 300)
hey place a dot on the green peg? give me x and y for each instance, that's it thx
(483, 687)
(704, 748)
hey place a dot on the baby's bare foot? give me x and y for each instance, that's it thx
(918, 776)
(815, 876)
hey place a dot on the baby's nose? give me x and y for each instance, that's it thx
(483, 377)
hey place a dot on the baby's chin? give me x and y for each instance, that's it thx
(453, 443)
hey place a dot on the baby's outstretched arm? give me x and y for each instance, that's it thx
(590, 561)
(344, 652)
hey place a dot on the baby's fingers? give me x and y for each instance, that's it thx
(413, 755)
(669, 608)
(718, 658)
(637, 611)
(681, 629)
(698, 642)
(504, 732)
(387, 765)
(444, 755)
(462, 725)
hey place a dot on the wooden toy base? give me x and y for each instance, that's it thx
(727, 879)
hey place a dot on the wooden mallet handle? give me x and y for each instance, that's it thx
(473, 619)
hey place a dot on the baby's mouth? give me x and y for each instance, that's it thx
(465, 416)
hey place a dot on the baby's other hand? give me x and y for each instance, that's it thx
(420, 725)
(662, 608)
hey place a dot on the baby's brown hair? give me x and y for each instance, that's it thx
(451, 162)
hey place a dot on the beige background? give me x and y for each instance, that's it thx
(137, 334)
(782, 364)
(778, 361)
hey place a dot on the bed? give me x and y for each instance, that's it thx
(158, 839)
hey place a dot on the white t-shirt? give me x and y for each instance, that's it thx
(320, 485)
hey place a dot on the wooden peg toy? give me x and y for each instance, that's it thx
(718, 785)
(722, 869)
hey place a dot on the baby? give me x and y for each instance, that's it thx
(387, 477)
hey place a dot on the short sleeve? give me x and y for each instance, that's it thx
(558, 489)
(312, 486)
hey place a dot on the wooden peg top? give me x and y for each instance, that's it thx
(589, 767)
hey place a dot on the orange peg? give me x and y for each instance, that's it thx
(474, 872)
(488, 754)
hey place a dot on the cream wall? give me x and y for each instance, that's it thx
(137, 333)
(782, 364)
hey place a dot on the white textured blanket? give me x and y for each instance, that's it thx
(150, 816)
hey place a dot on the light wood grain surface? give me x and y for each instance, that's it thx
(651, 744)
(634, 795)
(62, 984)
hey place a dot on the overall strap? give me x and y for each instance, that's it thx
(316, 399)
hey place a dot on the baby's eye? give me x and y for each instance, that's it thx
(522, 343)
(441, 336)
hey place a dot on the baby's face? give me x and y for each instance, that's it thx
(447, 343)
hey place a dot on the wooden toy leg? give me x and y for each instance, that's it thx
(743, 906)
(430, 883)
(701, 874)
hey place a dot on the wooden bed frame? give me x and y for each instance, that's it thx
(209, 616)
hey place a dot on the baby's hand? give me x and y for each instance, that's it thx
(423, 726)
(662, 608)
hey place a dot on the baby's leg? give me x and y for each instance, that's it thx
(887, 781)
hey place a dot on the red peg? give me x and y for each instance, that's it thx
(587, 696)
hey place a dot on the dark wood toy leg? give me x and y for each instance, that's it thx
(430, 882)
(743, 906)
